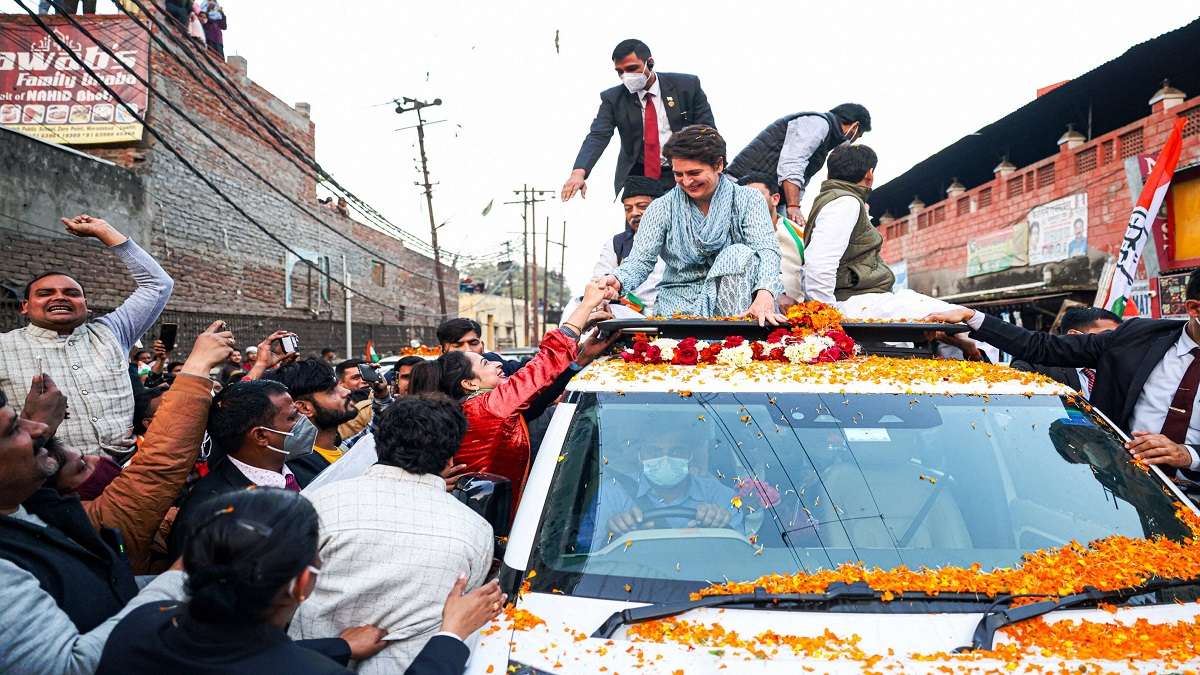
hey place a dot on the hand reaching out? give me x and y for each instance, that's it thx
(365, 641)
(466, 613)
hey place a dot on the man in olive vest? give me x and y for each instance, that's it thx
(793, 148)
(841, 246)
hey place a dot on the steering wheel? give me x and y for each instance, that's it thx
(650, 515)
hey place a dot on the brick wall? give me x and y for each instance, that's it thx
(934, 241)
(222, 265)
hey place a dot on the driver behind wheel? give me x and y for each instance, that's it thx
(669, 478)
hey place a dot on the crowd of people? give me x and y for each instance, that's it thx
(204, 21)
(246, 509)
(158, 514)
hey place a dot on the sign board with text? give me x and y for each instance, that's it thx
(45, 93)
(1058, 229)
(997, 251)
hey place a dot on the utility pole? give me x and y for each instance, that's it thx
(562, 260)
(529, 201)
(546, 275)
(416, 105)
(512, 300)
(537, 332)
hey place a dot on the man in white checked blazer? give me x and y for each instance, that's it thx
(393, 541)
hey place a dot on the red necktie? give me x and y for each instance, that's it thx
(1179, 414)
(289, 482)
(1090, 376)
(653, 157)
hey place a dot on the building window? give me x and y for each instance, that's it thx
(1107, 151)
(1045, 176)
(964, 206)
(1192, 126)
(1085, 160)
(939, 214)
(1131, 143)
(985, 197)
(378, 273)
(1016, 186)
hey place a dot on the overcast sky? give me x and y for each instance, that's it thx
(516, 109)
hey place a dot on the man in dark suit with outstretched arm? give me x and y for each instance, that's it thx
(645, 100)
(1147, 375)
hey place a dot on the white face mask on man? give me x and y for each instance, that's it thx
(635, 82)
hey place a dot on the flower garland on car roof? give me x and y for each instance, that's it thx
(815, 336)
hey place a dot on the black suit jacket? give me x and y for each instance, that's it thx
(1067, 376)
(162, 638)
(622, 111)
(1122, 358)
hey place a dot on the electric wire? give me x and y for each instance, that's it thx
(174, 108)
(216, 72)
(188, 164)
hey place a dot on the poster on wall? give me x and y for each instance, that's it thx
(997, 251)
(1172, 293)
(45, 93)
(1058, 229)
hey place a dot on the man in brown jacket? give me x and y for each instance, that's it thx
(137, 500)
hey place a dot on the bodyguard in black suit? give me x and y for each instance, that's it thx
(249, 424)
(1077, 320)
(1147, 375)
(643, 96)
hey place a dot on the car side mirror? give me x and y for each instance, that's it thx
(490, 495)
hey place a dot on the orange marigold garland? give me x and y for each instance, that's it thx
(1108, 563)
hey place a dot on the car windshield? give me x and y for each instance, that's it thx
(667, 493)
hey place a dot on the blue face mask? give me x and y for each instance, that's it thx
(665, 471)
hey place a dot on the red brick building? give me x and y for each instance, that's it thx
(223, 266)
(994, 220)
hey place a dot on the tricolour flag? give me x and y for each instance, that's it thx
(369, 353)
(1114, 295)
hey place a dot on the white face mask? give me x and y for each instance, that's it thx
(634, 82)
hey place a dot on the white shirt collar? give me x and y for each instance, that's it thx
(1185, 344)
(261, 477)
(654, 89)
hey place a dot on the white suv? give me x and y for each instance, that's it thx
(687, 519)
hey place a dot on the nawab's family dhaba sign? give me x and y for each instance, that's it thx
(46, 93)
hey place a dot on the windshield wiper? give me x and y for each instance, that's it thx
(836, 593)
(995, 619)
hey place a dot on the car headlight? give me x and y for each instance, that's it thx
(518, 668)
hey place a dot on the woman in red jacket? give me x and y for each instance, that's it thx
(497, 439)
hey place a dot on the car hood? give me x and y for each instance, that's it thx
(551, 633)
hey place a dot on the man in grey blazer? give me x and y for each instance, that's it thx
(661, 102)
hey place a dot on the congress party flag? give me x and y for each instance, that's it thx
(1114, 296)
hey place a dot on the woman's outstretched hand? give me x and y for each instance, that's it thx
(763, 309)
